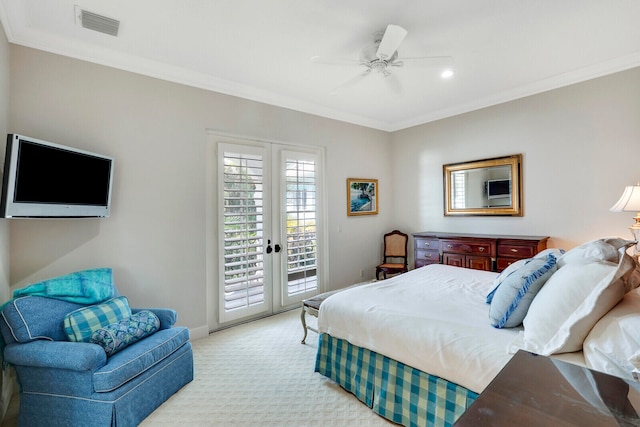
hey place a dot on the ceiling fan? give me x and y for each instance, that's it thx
(381, 56)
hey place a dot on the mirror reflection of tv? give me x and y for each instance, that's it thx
(47, 180)
(497, 188)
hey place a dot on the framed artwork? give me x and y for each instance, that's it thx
(362, 196)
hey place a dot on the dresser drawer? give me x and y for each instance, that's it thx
(427, 256)
(479, 263)
(516, 251)
(462, 247)
(502, 263)
(427, 243)
(455, 260)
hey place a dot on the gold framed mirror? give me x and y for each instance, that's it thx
(489, 187)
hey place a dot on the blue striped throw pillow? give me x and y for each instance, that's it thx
(511, 300)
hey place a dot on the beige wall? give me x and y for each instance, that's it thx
(4, 117)
(5, 390)
(580, 147)
(157, 132)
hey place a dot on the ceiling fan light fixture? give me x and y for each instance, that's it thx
(379, 57)
(447, 74)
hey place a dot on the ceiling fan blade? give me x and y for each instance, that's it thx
(351, 82)
(334, 61)
(393, 36)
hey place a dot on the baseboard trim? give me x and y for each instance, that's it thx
(199, 332)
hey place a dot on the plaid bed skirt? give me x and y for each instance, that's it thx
(392, 389)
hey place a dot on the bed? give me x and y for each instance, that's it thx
(420, 347)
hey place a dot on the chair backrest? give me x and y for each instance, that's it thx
(31, 318)
(395, 245)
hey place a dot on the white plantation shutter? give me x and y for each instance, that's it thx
(459, 196)
(301, 218)
(243, 229)
(266, 225)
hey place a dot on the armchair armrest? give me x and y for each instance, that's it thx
(74, 356)
(167, 316)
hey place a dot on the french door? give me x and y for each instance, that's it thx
(269, 227)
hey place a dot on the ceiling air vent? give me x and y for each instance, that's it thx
(95, 22)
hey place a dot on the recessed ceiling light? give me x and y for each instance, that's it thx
(447, 74)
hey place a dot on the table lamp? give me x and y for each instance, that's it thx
(630, 202)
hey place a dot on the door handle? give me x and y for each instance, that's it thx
(278, 248)
(269, 248)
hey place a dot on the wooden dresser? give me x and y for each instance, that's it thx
(478, 251)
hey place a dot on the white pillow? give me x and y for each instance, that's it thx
(634, 359)
(556, 252)
(613, 345)
(605, 249)
(571, 302)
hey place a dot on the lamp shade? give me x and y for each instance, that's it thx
(629, 201)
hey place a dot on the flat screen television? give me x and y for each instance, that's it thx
(47, 180)
(497, 188)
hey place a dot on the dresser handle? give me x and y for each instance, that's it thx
(481, 249)
(427, 244)
(449, 246)
(514, 250)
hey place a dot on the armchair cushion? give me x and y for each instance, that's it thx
(130, 362)
(80, 324)
(116, 336)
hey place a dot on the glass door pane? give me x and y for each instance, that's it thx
(242, 229)
(301, 227)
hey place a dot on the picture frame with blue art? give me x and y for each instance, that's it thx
(362, 196)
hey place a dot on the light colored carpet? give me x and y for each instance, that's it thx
(258, 374)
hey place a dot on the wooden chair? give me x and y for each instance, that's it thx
(395, 254)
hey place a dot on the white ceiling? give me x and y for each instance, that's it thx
(261, 49)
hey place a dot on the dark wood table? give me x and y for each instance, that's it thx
(534, 390)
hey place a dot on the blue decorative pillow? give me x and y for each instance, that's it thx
(117, 336)
(511, 300)
(81, 323)
(518, 264)
(503, 275)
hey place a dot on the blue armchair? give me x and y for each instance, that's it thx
(64, 383)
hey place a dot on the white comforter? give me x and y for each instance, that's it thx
(433, 318)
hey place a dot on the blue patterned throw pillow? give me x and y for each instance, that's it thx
(81, 323)
(511, 300)
(117, 336)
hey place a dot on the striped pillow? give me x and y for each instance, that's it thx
(511, 300)
(81, 323)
